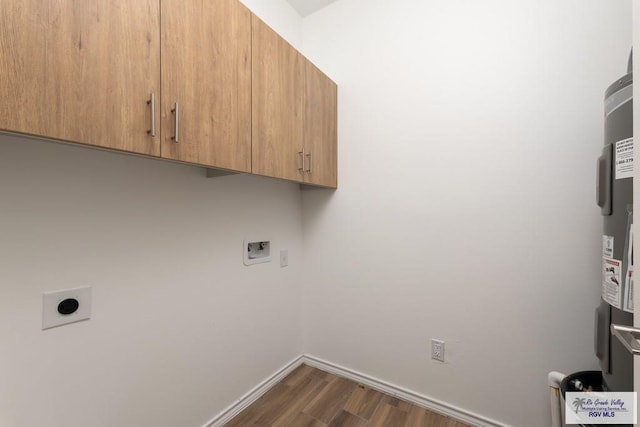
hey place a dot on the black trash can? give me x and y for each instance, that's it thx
(584, 381)
(580, 381)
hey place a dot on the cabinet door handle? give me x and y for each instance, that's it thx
(176, 128)
(301, 154)
(152, 103)
(310, 155)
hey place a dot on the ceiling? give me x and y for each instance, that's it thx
(307, 7)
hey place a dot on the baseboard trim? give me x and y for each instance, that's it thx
(418, 399)
(402, 393)
(254, 394)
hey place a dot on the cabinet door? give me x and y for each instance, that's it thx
(206, 70)
(320, 128)
(278, 91)
(80, 70)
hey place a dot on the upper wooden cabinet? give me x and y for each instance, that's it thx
(320, 128)
(84, 71)
(277, 105)
(197, 81)
(206, 71)
(80, 71)
(294, 115)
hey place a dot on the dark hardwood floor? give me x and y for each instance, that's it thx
(309, 397)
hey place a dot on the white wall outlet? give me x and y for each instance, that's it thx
(256, 251)
(284, 258)
(65, 306)
(437, 350)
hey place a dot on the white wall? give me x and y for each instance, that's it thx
(468, 136)
(280, 16)
(180, 328)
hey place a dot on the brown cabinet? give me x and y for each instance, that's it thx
(206, 73)
(80, 71)
(294, 108)
(84, 71)
(277, 105)
(320, 128)
(210, 85)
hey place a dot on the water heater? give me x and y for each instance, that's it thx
(615, 198)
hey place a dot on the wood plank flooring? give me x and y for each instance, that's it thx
(309, 397)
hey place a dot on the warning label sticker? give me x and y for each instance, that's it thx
(624, 158)
(611, 281)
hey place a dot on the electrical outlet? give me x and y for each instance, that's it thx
(437, 350)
